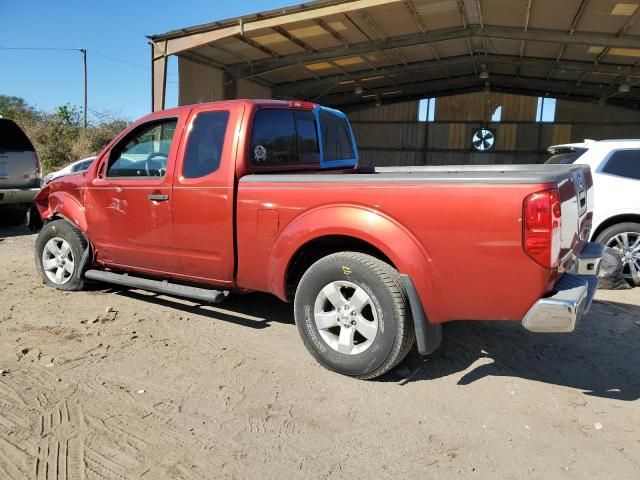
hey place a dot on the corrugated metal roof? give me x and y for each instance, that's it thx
(344, 52)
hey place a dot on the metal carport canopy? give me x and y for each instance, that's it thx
(359, 52)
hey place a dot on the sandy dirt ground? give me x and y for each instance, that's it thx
(162, 388)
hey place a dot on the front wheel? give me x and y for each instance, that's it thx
(624, 238)
(59, 249)
(353, 314)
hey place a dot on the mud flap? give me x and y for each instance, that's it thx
(428, 335)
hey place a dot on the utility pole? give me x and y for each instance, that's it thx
(83, 51)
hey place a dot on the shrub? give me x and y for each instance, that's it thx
(58, 137)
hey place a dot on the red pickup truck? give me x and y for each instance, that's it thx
(203, 200)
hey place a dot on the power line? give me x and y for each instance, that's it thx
(42, 48)
(94, 52)
(126, 62)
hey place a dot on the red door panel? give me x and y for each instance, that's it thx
(129, 216)
(203, 194)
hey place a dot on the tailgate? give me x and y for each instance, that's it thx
(18, 169)
(575, 187)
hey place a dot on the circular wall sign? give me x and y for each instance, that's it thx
(483, 140)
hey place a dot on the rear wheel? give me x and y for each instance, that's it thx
(624, 238)
(353, 314)
(59, 249)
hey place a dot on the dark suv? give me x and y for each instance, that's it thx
(19, 172)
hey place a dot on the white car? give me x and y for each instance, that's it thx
(75, 167)
(615, 165)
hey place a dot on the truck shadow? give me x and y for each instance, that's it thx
(256, 310)
(600, 358)
(8, 231)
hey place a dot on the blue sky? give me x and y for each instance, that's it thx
(114, 28)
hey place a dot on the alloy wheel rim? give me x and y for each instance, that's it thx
(57, 261)
(627, 244)
(346, 317)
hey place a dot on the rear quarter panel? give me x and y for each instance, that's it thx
(460, 243)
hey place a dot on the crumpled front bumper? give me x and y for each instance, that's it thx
(572, 298)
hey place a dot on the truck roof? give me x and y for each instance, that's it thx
(246, 102)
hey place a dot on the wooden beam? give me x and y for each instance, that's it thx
(416, 16)
(627, 25)
(158, 76)
(511, 33)
(543, 63)
(179, 44)
(293, 39)
(574, 24)
(558, 36)
(532, 85)
(258, 46)
(265, 66)
(328, 28)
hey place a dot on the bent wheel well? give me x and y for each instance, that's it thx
(318, 248)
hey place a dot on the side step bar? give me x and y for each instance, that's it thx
(158, 286)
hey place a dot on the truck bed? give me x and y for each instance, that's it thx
(522, 174)
(470, 237)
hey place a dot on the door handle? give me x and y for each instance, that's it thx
(156, 197)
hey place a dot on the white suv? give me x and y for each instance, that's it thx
(615, 165)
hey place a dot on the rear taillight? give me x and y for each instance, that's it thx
(541, 218)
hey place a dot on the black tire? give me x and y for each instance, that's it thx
(78, 243)
(13, 216)
(607, 235)
(34, 222)
(395, 335)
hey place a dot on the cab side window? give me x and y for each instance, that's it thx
(144, 152)
(204, 147)
(624, 163)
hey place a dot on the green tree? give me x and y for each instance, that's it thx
(58, 137)
(16, 108)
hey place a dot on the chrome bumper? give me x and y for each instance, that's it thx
(572, 298)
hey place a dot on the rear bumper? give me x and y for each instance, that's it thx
(572, 298)
(16, 196)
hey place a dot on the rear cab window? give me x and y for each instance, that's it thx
(291, 138)
(623, 163)
(283, 137)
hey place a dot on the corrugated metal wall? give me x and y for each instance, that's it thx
(203, 83)
(249, 89)
(391, 134)
(397, 112)
(198, 82)
(480, 106)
